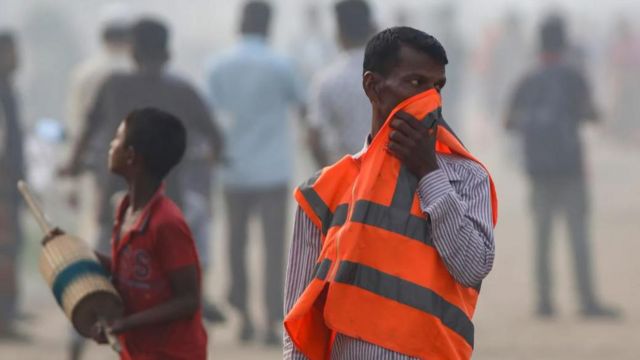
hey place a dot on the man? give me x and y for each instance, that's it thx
(149, 85)
(254, 88)
(424, 265)
(12, 169)
(338, 107)
(548, 108)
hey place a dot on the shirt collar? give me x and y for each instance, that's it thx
(367, 141)
(142, 222)
(254, 40)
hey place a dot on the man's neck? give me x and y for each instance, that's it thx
(141, 190)
(151, 69)
(551, 57)
(377, 120)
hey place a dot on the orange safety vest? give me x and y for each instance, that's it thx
(379, 277)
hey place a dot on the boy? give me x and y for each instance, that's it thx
(154, 263)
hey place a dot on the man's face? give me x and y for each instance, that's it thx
(120, 155)
(414, 72)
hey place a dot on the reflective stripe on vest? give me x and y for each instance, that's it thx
(379, 277)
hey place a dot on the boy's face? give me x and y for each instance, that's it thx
(121, 156)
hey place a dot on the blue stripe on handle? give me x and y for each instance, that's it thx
(71, 273)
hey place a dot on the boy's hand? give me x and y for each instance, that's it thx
(98, 333)
(100, 330)
(118, 326)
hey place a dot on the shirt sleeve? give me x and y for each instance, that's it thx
(303, 254)
(461, 223)
(174, 246)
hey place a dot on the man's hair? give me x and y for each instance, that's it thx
(383, 50)
(158, 137)
(553, 36)
(256, 17)
(116, 34)
(354, 20)
(150, 40)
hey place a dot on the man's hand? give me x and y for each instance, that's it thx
(413, 143)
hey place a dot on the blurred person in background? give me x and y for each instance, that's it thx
(255, 87)
(149, 85)
(51, 42)
(508, 58)
(548, 108)
(624, 70)
(311, 48)
(112, 57)
(12, 169)
(338, 108)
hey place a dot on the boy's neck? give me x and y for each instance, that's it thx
(141, 190)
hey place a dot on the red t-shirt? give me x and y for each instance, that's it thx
(142, 258)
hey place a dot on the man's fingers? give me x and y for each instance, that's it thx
(411, 121)
(398, 150)
(406, 129)
(400, 138)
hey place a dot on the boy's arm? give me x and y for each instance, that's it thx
(185, 302)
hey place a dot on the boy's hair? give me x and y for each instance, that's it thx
(159, 137)
(383, 49)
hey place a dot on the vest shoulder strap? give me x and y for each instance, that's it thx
(321, 196)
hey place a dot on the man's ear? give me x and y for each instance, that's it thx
(371, 84)
(130, 155)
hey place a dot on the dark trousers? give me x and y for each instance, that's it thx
(270, 205)
(566, 196)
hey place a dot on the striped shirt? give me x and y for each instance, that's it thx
(458, 201)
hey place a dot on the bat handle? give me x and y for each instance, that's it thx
(34, 207)
(112, 339)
